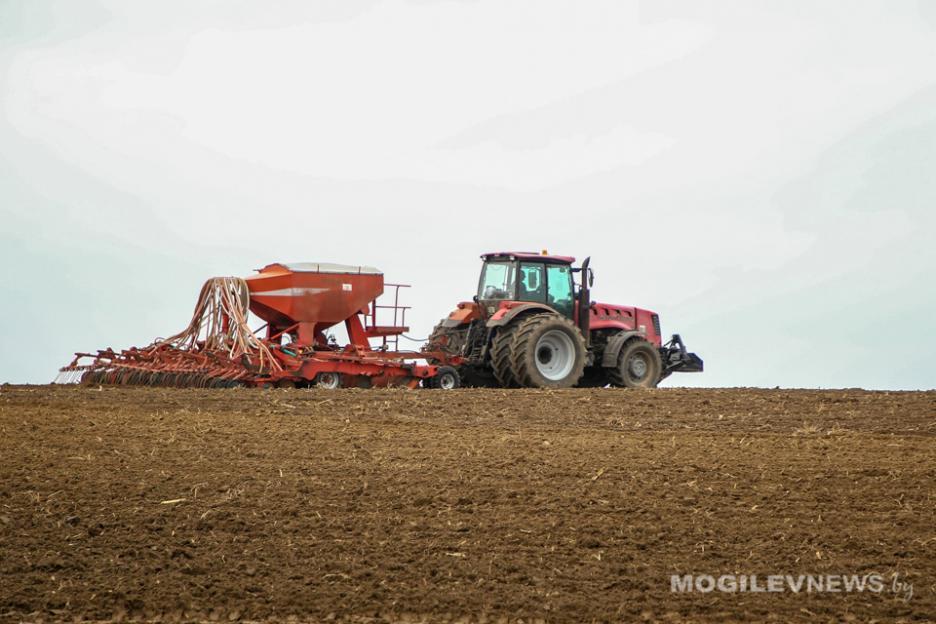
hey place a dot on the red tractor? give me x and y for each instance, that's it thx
(531, 325)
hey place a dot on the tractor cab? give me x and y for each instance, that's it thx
(528, 278)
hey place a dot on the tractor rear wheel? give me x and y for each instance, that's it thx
(501, 355)
(547, 351)
(450, 340)
(639, 365)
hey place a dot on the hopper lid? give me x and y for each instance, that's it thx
(328, 267)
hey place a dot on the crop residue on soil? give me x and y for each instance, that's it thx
(399, 506)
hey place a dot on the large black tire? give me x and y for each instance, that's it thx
(450, 340)
(547, 351)
(639, 366)
(500, 356)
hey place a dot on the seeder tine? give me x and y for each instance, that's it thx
(67, 376)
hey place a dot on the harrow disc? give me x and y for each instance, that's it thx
(168, 368)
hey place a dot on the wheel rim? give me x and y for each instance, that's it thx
(555, 355)
(329, 381)
(638, 366)
(446, 381)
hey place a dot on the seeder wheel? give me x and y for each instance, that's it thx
(328, 381)
(446, 379)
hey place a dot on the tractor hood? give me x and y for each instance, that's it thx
(610, 316)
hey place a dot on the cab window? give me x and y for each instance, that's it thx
(497, 281)
(532, 283)
(560, 288)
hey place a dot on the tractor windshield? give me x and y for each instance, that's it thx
(498, 281)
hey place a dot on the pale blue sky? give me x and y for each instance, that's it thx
(759, 173)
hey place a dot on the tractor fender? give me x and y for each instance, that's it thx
(506, 315)
(466, 312)
(611, 351)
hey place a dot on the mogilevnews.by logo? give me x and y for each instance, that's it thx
(800, 583)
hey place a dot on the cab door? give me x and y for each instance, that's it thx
(559, 289)
(531, 282)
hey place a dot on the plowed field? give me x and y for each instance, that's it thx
(469, 505)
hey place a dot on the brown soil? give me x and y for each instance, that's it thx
(469, 505)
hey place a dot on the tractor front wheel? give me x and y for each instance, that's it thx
(639, 366)
(547, 351)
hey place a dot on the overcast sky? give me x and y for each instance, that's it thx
(762, 174)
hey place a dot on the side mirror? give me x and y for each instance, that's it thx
(591, 278)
